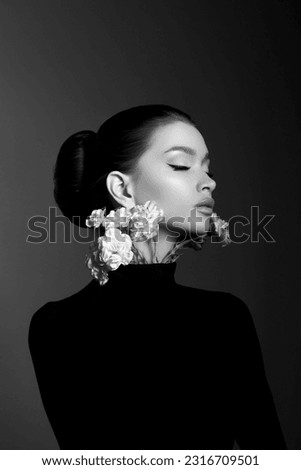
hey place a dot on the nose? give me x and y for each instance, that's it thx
(206, 183)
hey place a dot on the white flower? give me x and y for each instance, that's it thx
(109, 220)
(144, 222)
(115, 248)
(122, 217)
(118, 219)
(98, 271)
(96, 218)
(221, 229)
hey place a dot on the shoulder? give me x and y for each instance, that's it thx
(53, 315)
(42, 325)
(224, 299)
(228, 309)
(44, 315)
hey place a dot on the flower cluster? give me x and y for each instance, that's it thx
(124, 227)
(111, 250)
(220, 228)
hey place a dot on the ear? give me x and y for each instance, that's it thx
(120, 187)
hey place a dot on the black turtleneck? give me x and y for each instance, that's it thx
(145, 363)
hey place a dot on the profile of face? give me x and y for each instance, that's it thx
(173, 172)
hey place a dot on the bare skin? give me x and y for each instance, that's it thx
(175, 179)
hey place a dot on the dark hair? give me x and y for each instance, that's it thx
(86, 158)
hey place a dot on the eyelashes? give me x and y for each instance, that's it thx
(180, 167)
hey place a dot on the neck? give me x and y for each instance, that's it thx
(155, 249)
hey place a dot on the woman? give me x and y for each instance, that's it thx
(134, 360)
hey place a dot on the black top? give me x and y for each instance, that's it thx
(145, 363)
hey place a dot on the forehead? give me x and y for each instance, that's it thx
(178, 134)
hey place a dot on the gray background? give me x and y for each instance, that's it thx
(69, 65)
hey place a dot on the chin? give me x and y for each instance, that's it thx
(200, 227)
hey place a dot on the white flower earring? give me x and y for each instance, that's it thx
(124, 227)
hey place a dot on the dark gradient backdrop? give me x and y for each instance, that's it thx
(233, 65)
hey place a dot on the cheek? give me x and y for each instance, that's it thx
(171, 193)
(152, 186)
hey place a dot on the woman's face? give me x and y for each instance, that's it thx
(174, 173)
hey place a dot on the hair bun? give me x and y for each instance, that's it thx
(72, 176)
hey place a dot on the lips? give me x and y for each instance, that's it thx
(205, 210)
(208, 202)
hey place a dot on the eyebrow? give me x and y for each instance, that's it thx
(187, 150)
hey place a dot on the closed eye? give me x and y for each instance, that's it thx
(179, 167)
